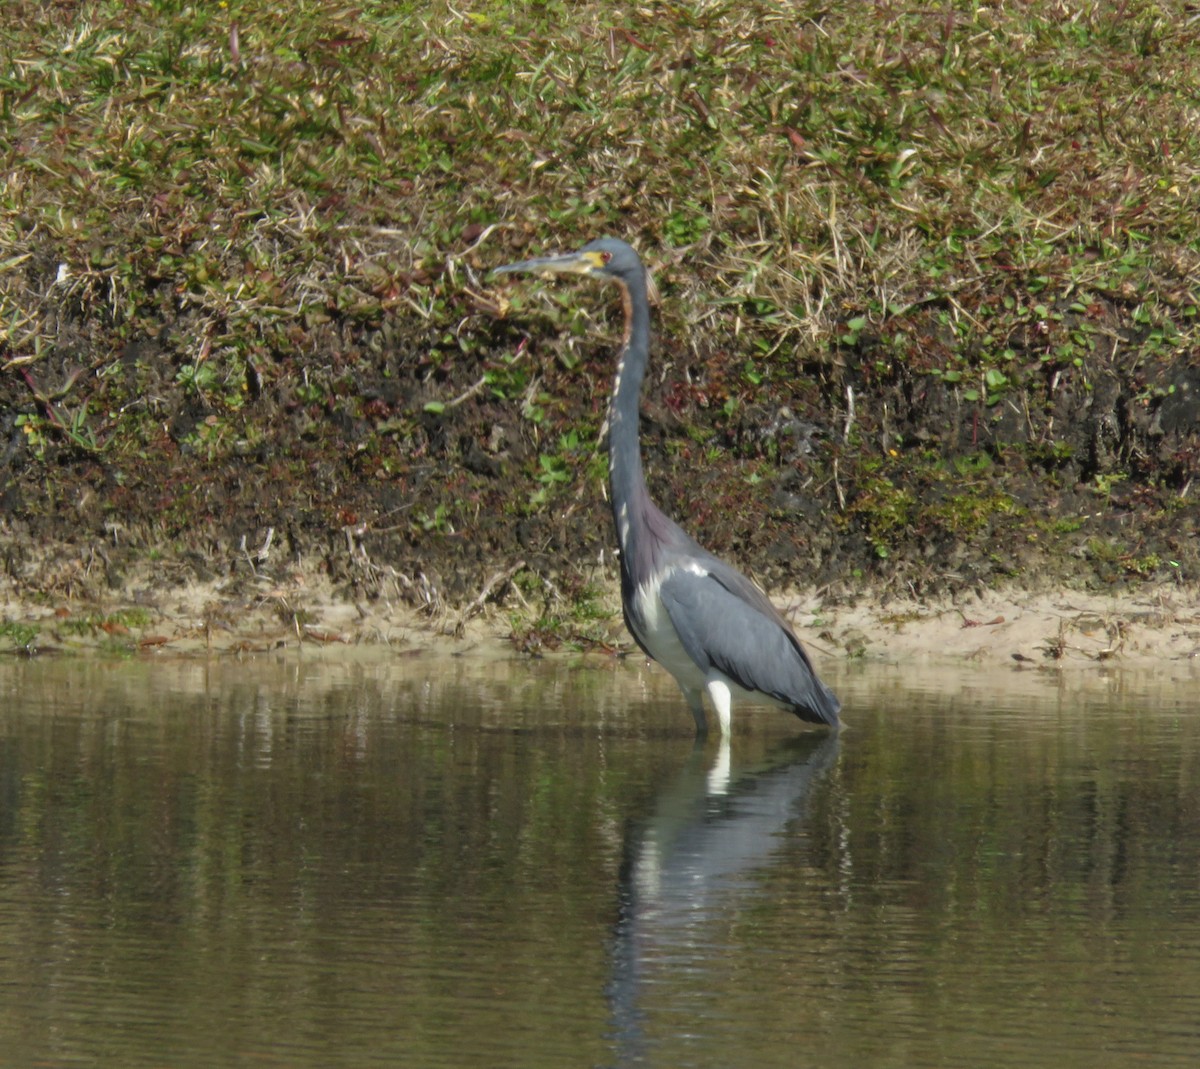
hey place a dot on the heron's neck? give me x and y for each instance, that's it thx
(627, 483)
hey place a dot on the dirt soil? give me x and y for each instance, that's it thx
(1059, 524)
(1069, 631)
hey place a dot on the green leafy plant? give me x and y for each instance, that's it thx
(18, 634)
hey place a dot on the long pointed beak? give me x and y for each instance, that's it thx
(571, 263)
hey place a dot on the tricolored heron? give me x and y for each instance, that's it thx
(701, 619)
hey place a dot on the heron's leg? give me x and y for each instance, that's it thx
(696, 703)
(718, 691)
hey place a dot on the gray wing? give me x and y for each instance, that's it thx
(725, 622)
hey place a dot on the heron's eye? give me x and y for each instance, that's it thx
(606, 257)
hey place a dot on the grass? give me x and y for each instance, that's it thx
(814, 167)
(16, 635)
(205, 206)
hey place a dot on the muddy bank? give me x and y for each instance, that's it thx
(421, 493)
(368, 482)
(302, 612)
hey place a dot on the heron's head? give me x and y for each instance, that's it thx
(605, 258)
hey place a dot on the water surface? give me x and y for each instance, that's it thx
(434, 861)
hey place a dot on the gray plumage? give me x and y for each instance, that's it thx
(712, 628)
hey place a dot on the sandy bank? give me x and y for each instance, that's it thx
(1069, 629)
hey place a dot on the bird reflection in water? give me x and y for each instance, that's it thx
(688, 864)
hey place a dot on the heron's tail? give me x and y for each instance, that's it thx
(820, 706)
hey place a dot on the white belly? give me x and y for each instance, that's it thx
(661, 639)
(662, 642)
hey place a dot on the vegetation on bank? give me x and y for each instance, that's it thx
(927, 276)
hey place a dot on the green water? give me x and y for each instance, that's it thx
(422, 861)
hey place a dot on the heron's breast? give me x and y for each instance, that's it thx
(656, 633)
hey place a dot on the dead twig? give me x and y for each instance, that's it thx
(968, 622)
(476, 606)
